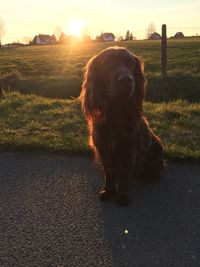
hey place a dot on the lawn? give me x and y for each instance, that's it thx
(56, 71)
(32, 123)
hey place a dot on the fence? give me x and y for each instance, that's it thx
(164, 50)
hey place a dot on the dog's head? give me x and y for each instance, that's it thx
(113, 74)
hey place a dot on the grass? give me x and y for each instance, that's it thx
(35, 123)
(29, 122)
(56, 71)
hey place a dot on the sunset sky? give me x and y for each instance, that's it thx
(26, 18)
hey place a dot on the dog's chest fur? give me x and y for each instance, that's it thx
(117, 134)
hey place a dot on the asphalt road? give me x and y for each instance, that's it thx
(50, 216)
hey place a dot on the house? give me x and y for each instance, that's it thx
(6, 46)
(106, 37)
(44, 39)
(12, 45)
(179, 35)
(155, 36)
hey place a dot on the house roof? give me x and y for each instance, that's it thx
(108, 34)
(155, 35)
(179, 34)
(45, 38)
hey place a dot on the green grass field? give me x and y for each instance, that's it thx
(56, 71)
(34, 123)
(30, 122)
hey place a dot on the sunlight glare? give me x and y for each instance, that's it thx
(75, 27)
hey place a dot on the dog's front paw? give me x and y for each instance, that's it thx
(121, 200)
(105, 194)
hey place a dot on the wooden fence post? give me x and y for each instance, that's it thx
(164, 50)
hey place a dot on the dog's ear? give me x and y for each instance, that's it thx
(92, 91)
(140, 84)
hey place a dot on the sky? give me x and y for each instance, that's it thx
(27, 18)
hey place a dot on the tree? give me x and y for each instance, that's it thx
(127, 35)
(151, 29)
(85, 35)
(27, 40)
(58, 32)
(119, 37)
(62, 38)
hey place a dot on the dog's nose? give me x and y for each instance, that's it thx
(125, 78)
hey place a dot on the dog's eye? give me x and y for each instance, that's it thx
(131, 65)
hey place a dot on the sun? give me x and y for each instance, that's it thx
(75, 27)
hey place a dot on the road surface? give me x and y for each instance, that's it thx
(50, 216)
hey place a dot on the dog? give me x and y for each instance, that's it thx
(112, 96)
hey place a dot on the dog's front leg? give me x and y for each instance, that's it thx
(123, 182)
(108, 190)
(124, 174)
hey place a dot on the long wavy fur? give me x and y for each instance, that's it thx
(119, 133)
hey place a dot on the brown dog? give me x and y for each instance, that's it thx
(112, 100)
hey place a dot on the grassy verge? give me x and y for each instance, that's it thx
(29, 122)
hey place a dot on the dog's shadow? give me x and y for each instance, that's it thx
(160, 226)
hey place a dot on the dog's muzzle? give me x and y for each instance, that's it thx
(127, 84)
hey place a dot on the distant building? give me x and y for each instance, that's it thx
(106, 37)
(155, 36)
(7, 46)
(12, 45)
(179, 35)
(44, 39)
